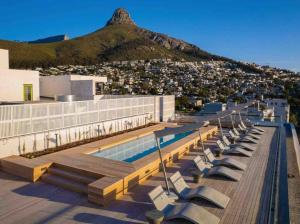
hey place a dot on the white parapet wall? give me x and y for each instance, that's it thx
(35, 127)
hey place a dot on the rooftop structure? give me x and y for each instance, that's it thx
(281, 108)
(17, 85)
(25, 85)
(82, 87)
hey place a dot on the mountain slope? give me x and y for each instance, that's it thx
(120, 39)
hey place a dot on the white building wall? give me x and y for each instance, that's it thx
(55, 85)
(4, 59)
(83, 88)
(12, 81)
(168, 108)
(157, 116)
(164, 108)
(78, 85)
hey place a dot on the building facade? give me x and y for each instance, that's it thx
(17, 85)
(83, 87)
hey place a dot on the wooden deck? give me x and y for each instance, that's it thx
(250, 196)
(26, 202)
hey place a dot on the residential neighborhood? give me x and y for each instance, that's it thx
(205, 80)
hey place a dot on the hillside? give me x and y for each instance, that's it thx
(120, 39)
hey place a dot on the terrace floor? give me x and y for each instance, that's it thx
(24, 202)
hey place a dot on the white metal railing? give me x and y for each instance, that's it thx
(17, 120)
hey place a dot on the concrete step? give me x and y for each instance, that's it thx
(76, 170)
(71, 175)
(65, 183)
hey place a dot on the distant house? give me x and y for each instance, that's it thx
(196, 102)
(281, 108)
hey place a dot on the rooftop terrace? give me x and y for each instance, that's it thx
(252, 198)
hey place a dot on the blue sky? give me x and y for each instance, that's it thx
(261, 31)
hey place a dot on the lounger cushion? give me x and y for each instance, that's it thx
(201, 192)
(238, 151)
(223, 162)
(192, 213)
(245, 146)
(225, 172)
(249, 139)
(231, 163)
(249, 131)
(209, 194)
(186, 211)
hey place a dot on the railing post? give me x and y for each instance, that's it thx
(63, 115)
(31, 126)
(11, 120)
(48, 117)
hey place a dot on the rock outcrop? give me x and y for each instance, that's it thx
(120, 16)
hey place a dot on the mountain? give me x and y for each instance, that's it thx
(120, 39)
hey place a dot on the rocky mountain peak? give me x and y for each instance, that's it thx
(120, 16)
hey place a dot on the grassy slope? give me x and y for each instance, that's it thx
(118, 42)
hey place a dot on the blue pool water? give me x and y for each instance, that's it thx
(138, 148)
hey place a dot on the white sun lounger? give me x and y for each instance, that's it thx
(230, 162)
(185, 211)
(233, 151)
(236, 132)
(202, 192)
(216, 171)
(242, 139)
(249, 131)
(252, 127)
(240, 144)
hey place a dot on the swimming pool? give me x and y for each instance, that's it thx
(138, 148)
